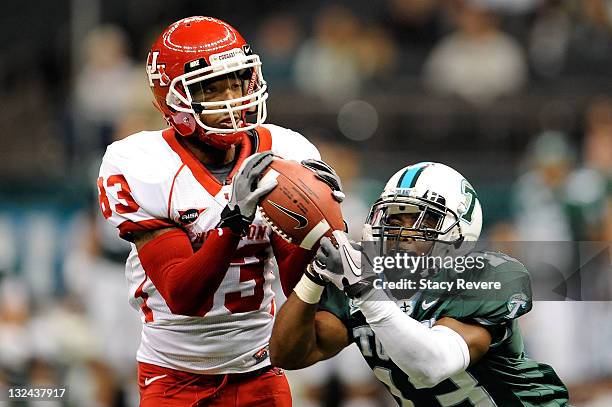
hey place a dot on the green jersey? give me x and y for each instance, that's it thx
(503, 377)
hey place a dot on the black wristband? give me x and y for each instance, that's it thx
(313, 276)
(234, 220)
(359, 289)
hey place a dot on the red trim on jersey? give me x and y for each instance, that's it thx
(246, 149)
(200, 172)
(144, 307)
(273, 307)
(186, 280)
(291, 259)
(172, 188)
(128, 227)
(265, 139)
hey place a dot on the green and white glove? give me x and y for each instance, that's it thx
(341, 265)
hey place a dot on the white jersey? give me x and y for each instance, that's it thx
(150, 181)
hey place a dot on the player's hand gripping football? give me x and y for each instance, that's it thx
(326, 174)
(246, 193)
(341, 265)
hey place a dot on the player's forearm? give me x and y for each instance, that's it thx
(187, 280)
(292, 260)
(294, 334)
(426, 355)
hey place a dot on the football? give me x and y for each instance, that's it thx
(301, 208)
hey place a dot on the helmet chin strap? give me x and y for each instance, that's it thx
(186, 126)
(222, 141)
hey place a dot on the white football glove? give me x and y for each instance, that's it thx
(341, 265)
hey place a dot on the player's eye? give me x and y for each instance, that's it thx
(431, 220)
(393, 222)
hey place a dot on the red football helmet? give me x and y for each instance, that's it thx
(195, 51)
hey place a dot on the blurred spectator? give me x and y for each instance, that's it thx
(590, 49)
(555, 202)
(511, 7)
(277, 42)
(28, 109)
(539, 193)
(377, 54)
(478, 62)
(549, 39)
(98, 261)
(598, 137)
(415, 25)
(541, 213)
(607, 223)
(342, 54)
(91, 383)
(16, 347)
(326, 64)
(590, 185)
(572, 37)
(108, 85)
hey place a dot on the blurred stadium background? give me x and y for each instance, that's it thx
(517, 95)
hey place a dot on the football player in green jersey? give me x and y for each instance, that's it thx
(430, 348)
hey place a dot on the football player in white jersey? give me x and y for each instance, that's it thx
(201, 267)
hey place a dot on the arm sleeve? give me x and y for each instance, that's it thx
(427, 355)
(292, 261)
(186, 280)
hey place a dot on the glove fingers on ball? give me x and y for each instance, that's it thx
(262, 189)
(245, 193)
(317, 165)
(328, 175)
(259, 164)
(325, 245)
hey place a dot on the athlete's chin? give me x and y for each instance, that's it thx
(227, 124)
